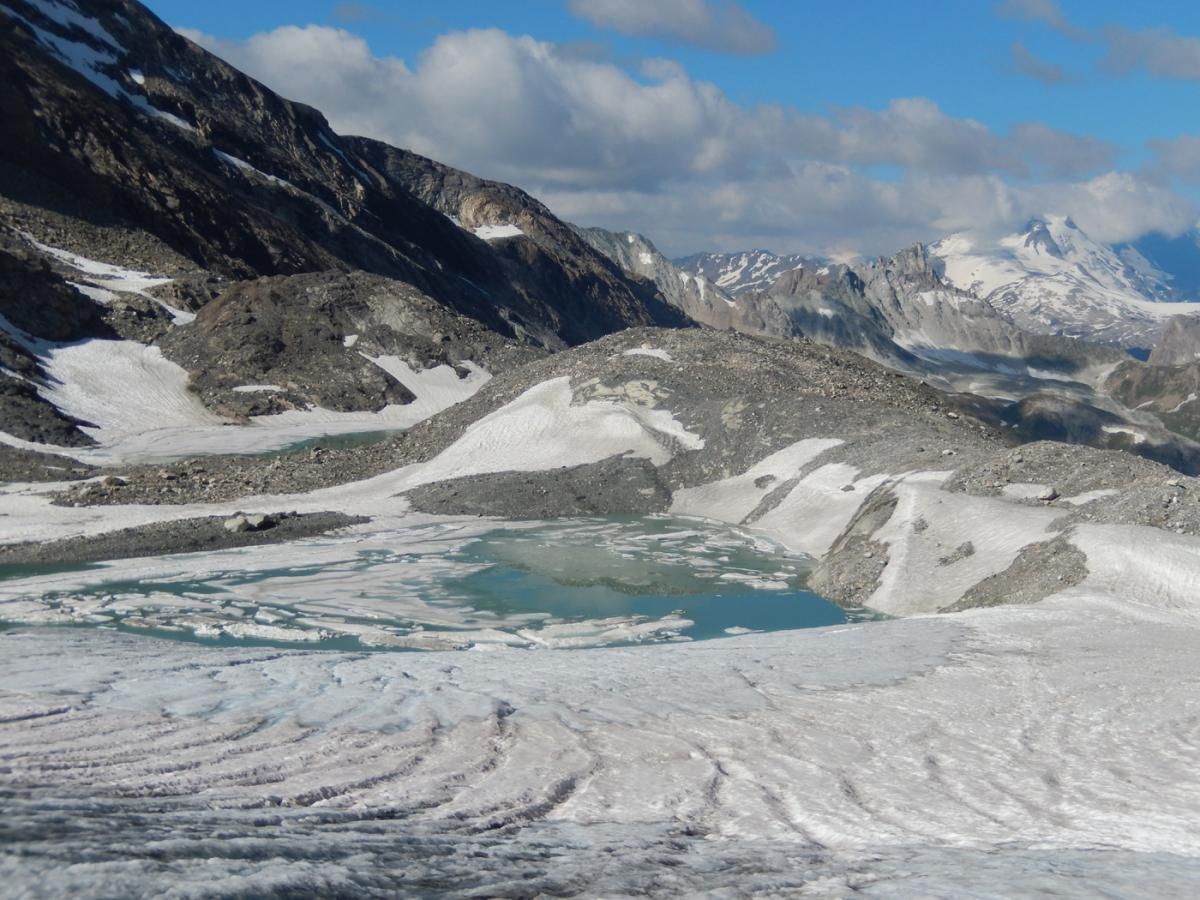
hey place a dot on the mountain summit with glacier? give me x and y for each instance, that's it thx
(1052, 278)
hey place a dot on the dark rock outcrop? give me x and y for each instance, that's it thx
(313, 336)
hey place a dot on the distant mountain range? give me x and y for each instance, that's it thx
(1049, 278)
(747, 270)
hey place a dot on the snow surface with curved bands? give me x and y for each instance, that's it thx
(1031, 740)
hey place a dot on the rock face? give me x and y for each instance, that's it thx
(588, 294)
(696, 295)
(1177, 258)
(898, 310)
(1168, 392)
(1168, 385)
(114, 120)
(1179, 344)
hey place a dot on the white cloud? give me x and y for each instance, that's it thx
(823, 209)
(678, 159)
(1117, 206)
(727, 27)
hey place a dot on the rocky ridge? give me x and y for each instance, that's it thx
(698, 297)
(194, 165)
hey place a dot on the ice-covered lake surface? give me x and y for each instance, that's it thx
(444, 585)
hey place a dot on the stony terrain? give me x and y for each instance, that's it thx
(184, 536)
(746, 395)
(314, 336)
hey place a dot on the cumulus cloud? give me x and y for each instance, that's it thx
(1029, 65)
(487, 100)
(826, 209)
(1158, 51)
(670, 155)
(726, 28)
(1119, 206)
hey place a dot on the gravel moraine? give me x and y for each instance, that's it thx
(183, 536)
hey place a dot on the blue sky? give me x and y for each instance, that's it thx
(817, 127)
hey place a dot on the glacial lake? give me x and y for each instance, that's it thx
(445, 584)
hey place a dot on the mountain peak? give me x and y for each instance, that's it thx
(1039, 239)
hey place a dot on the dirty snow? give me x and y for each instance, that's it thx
(497, 232)
(733, 499)
(1138, 437)
(107, 279)
(648, 351)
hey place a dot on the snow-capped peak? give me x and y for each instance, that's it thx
(1053, 277)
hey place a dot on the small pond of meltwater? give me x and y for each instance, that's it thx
(445, 584)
